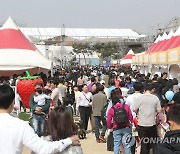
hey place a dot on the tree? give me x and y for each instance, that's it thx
(83, 48)
(106, 49)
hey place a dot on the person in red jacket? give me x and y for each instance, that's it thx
(122, 133)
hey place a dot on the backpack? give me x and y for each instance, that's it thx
(103, 113)
(120, 115)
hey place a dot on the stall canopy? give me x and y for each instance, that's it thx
(154, 45)
(128, 58)
(176, 41)
(17, 52)
(159, 43)
(169, 41)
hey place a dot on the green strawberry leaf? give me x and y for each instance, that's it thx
(29, 77)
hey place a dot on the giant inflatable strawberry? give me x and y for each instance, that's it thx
(25, 87)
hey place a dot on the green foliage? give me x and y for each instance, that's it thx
(106, 49)
(82, 48)
(25, 116)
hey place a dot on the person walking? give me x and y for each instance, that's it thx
(147, 105)
(84, 105)
(99, 101)
(62, 90)
(121, 131)
(55, 92)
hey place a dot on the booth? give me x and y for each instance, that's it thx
(18, 54)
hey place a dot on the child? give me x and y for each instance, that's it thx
(76, 92)
(48, 85)
(162, 125)
(40, 98)
(48, 92)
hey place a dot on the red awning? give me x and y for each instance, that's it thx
(176, 42)
(129, 56)
(162, 43)
(168, 44)
(14, 39)
(151, 47)
(154, 48)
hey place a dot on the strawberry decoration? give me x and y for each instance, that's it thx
(25, 87)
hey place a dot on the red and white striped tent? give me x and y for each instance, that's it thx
(17, 53)
(127, 60)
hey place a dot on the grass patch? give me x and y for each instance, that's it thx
(25, 116)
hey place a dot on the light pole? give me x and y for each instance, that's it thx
(52, 63)
(79, 59)
(64, 61)
(47, 51)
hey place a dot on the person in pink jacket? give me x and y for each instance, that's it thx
(122, 134)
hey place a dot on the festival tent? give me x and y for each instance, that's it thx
(17, 53)
(170, 39)
(153, 46)
(162, 54)
(163, 42)
(160, 43)
(176, 42)
(81, 33)
(174, 56)
(128, 58)
(87, 58)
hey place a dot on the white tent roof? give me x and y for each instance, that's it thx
(93, 55)
(177, 33)
(158, 39)
(164, 36)
(9, 24)
(17, 52)
(128, 58)
(171, 33)
(81, 33)
(130, 52)
(126, 61)
(141, 53)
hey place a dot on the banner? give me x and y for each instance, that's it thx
(162, 57)
(146, 59)
(153, 58)
(174, 56)
(134, 60)
(141, 58)
(137, 59)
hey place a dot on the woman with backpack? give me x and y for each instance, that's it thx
(119, 119)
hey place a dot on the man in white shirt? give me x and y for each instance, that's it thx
(15, 133)
(132, 99)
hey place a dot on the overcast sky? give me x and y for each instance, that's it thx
(135, 14)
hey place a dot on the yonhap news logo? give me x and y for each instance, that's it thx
(157, 140)
(129, 139)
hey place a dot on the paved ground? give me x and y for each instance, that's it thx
(89, 146)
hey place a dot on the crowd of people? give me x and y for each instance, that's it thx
(127, 110)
